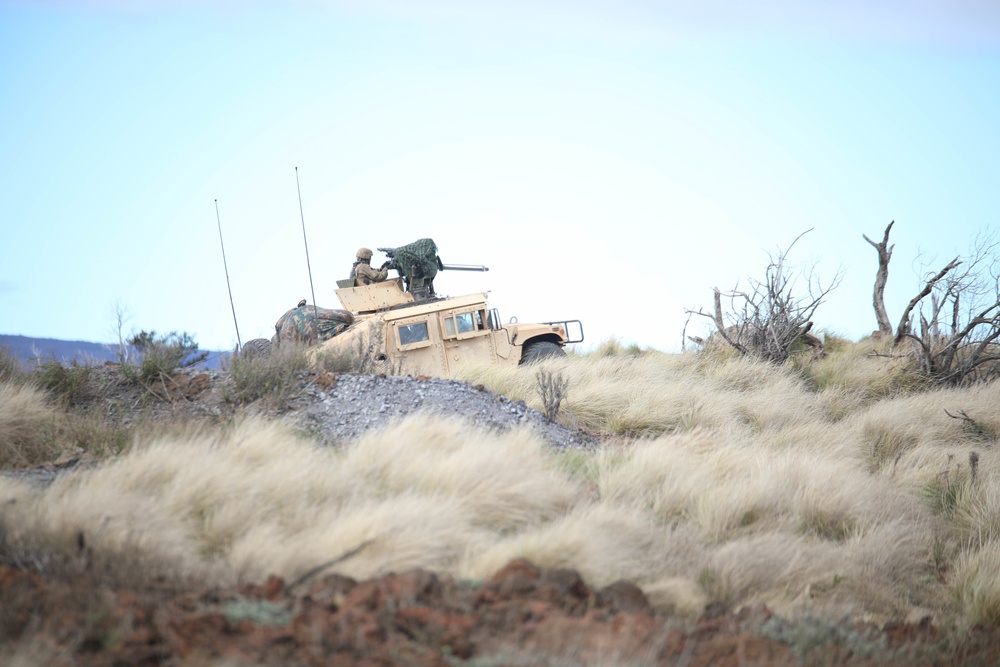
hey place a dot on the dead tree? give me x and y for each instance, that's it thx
(878, 298)
(769, 320)
(953, 322)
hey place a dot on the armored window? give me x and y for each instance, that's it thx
(412, 333)
(465, 323)
(459, 324)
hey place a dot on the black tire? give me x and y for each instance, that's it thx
(258, 347)
(543, 349)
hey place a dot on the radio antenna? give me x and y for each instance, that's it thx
(306, 243)
(239, 345)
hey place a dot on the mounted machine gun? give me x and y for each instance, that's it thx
(418, 264)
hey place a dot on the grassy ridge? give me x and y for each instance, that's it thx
(832, 485)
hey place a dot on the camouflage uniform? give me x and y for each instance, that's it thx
(365, 274)
(306, 324)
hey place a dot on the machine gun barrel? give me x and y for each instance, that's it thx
(464, 267)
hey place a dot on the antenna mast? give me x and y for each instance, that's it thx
(306, 243)
(239, 345)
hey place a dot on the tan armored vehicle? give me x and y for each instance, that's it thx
(405, 326)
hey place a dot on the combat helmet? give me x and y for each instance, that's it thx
(364, 253)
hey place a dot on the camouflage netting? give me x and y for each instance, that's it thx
(417, 262)
(306, 324)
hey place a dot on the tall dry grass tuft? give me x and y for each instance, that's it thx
(612, 347)
(731, 487)
(504, 484)
(776, 523)
(603, 543)
(11, 369)
(971, 505)
(868, 370)
(912, 437)
(765, 567)
(27, 425)
(977, 587)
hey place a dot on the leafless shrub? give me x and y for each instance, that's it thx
(953, 323)
(771, 319)
(121, 315)
(552, 388)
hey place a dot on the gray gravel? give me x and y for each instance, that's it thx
(358, 403)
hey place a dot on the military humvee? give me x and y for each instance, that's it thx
(405, 325)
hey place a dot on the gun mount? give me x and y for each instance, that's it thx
(418, 264)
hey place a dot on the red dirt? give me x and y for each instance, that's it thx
(522, 616)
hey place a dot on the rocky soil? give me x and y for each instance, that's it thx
(521, 616)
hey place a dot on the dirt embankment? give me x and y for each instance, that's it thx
(521, 616)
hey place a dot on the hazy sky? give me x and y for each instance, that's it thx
(609, 161)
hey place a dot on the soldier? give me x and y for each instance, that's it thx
(363, 273)
(309, 324)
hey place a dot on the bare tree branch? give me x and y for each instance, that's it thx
(881, 277)
(720, 325)
(904, 321)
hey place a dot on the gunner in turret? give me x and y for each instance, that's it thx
(363, 273)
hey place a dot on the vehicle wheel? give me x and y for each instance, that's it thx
(258, 347)
(543, 349)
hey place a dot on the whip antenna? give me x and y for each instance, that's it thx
(239, 345)
(306, 243)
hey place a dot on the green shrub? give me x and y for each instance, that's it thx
(160, 356)
(273, 375)
(67, 382)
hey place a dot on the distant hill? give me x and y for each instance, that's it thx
(27, 349)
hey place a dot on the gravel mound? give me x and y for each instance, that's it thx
(353, 404)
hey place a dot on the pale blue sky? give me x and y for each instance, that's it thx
(598, 157)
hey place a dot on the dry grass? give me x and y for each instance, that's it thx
(977, 586)
(27, 423)
(273, 375)
(11, 369)
(653, 393)
(822, 486)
